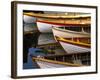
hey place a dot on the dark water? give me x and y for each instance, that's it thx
(29, 40)
(30, 27)
(32, 41)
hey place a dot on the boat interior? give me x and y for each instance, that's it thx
(74, 60)
(77, 41)
(75, 29)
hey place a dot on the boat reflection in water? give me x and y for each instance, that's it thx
(46, 38)
(30, 37)
(35, 44)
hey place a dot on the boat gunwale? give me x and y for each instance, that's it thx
(62, 24)
(58, 62)
(73, 42)
(75, 32)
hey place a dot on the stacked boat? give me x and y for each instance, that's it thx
(46, 20)
(73, 40)
(73, 33)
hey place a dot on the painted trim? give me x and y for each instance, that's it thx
(74, 42)
(57, 62)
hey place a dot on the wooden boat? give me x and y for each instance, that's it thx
(46, 20)
(57, 15)
(75, 44)
(45, 63)
(45, 25)
(71, 31)
(59, 61)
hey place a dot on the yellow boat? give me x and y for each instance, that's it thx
(75, 45)
(59, 61)
(72, 31)
(45, 25)
(57, 15)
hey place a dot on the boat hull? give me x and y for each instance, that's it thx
(68, 34)
(73, 48)
(48, 65)
(45, 27)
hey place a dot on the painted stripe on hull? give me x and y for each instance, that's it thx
(57, 22)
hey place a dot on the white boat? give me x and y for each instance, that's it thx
(59, 61)
(71, 31)
(29, 19)
(45, 25)
(47, 63)
(75, 45)
(43, 64)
